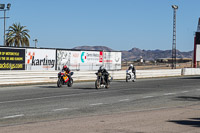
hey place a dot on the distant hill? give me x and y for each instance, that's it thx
(136, 53)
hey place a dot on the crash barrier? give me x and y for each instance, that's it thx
(32, 77)
(191, 71)
(158, 73)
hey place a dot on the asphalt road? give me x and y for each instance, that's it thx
(27, 104)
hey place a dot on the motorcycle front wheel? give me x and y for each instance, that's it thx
(127, 78)
(97, 84)
(134, 79)
(59, 83)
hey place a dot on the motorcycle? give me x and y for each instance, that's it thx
(61, 81)
(101, 82)
(130, 76)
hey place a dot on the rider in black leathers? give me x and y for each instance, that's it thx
(104, 73)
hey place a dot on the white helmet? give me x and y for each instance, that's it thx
(131, 65)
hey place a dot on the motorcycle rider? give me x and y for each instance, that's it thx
(131, 67)
(66, 77)
(104, 73)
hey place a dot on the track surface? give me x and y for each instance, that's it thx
(26, 104)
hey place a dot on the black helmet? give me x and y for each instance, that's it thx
(101, 67)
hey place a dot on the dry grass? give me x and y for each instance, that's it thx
(156, 66)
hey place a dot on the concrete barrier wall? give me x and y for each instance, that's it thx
(29, 77)
(158, 73)
(191, 71)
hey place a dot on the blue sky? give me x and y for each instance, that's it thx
(118, 24)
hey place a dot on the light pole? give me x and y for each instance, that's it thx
(35, 40)
(175, 7)
(2, 8)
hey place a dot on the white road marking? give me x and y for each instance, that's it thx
(148, 96)
(184, 91)
(166, 94)
(61, 109)
(124, 100)
(41, 98)
(13, 116)
(95, 104)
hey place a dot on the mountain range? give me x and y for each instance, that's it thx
(136, 53)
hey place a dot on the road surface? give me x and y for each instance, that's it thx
(35, 104)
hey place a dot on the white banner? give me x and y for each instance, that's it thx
(198, 52)
(69, 58)
(112, 60)
(40, 59)
(91, 60)
(90, 57)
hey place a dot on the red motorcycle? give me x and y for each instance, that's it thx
(61, 81)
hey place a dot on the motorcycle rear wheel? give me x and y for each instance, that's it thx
(108, 85)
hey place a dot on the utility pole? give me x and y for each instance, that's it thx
(2, 8)
(175, 7)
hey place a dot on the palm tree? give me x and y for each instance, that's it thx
(17, 36)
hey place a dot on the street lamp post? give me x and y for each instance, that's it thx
(35, 40)
(175, 7)
(2, 8)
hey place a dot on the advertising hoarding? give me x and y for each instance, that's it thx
(40, 59)
(112, 60)
(12, 59)
(69, 58)
(91, 60)
(198, 52)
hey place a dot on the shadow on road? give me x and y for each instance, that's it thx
(49, 86)
(188, 98)
(190, 77)
(65, 86)
(195, 122)
(86, 88)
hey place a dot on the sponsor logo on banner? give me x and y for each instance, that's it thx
(90, 57)
(117, 57)
(38, 62)
(12, 59)
(101, 56)
(83, 57)
(107, 57)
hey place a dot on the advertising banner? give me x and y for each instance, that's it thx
(91, 60)
(69, 58)
(198, 52)
(12, 59)
(40, 59)
(112, 60)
